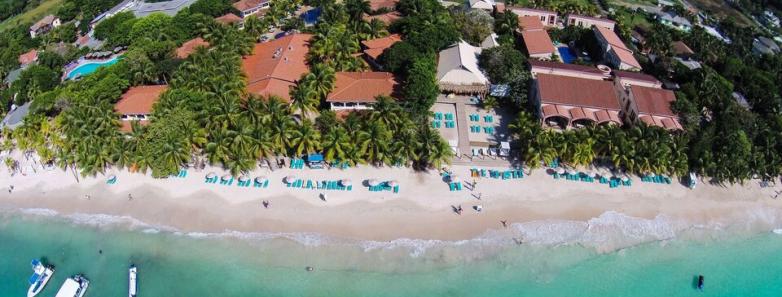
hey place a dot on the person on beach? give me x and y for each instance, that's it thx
(130, 197)
(265, 204)
(504, 223)
(87, 197)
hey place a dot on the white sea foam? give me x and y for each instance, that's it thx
(608, 232)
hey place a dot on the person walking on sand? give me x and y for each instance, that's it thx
(130, 197)
(504, 223)
(265, 204)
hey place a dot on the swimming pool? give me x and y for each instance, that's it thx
(566, 54)
(91, 67)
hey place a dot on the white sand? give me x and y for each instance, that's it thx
(422, 209)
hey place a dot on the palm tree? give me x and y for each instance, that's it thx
(336, 144)
(376, 147)
(255, 27)
(321, 80)
(304, 99)
(305, 139)
(356, 9)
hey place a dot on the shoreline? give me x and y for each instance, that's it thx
(421, 211)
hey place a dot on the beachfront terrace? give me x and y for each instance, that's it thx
(474, 134)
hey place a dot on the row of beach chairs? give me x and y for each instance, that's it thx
(297, 164)
(505, 174)
(182, 173)
(384, 187)
(439, 116)
(322, 185)
(477, 118)
(657, 179)
(612, 182)
(455, 186)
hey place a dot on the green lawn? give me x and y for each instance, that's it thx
(33, 15)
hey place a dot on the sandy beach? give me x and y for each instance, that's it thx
(421, 210)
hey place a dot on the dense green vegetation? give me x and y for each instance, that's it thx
(206, 114)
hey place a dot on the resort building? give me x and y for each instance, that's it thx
(458, 72)
(764, 46)
(275, 66)
(565, 102)
(538, 44)
(624, 79)
(28, 57)
(358, 90)
(571, 70)
(229, 19)
(44, 25)
(190, 46)
(382, 5)
(141, 8)
(487, 5)
(681, 50)
(373, 48)
(615, 51)
(490, 41)
(674, 21)
(548, 18)
(651, 106)
(136, 105)
(588, 21)
(15, 116)
(530, 23)
(250, 7)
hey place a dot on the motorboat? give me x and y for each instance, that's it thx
(41, 275)
(74, 286)
(132, 284)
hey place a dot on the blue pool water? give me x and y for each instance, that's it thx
(91, 67)
(566, 54)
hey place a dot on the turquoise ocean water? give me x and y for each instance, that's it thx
(172, 264)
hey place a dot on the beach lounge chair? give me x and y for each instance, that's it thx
(396, 189)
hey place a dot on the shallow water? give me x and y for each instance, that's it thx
(175, 264)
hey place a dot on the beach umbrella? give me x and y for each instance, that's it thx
(227, 177)
(211, 175)
(290, 178)
(561, 170)
(345, 182)
(625, 178)
(455, 179)
(373, 182)
(112, 177)
(261, 179)
(244, 178)
(393, 183)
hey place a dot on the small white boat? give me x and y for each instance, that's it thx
(41, 276)
(74, 286)
(132, 284)
(777, 231)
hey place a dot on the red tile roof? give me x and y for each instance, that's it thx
(228, 18)
(538, 42)
(681, 48)
(636, 76)
(243, 5)
(529, 22)
(580, 92)
(378, 4)
(361, 86)
(591, 18)
(190, 46)
(139, 100)
(28, 57)
(375, 47)
(386, 18)
(624, 54)
(653, 101)
(568, 67)
(276, 65)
